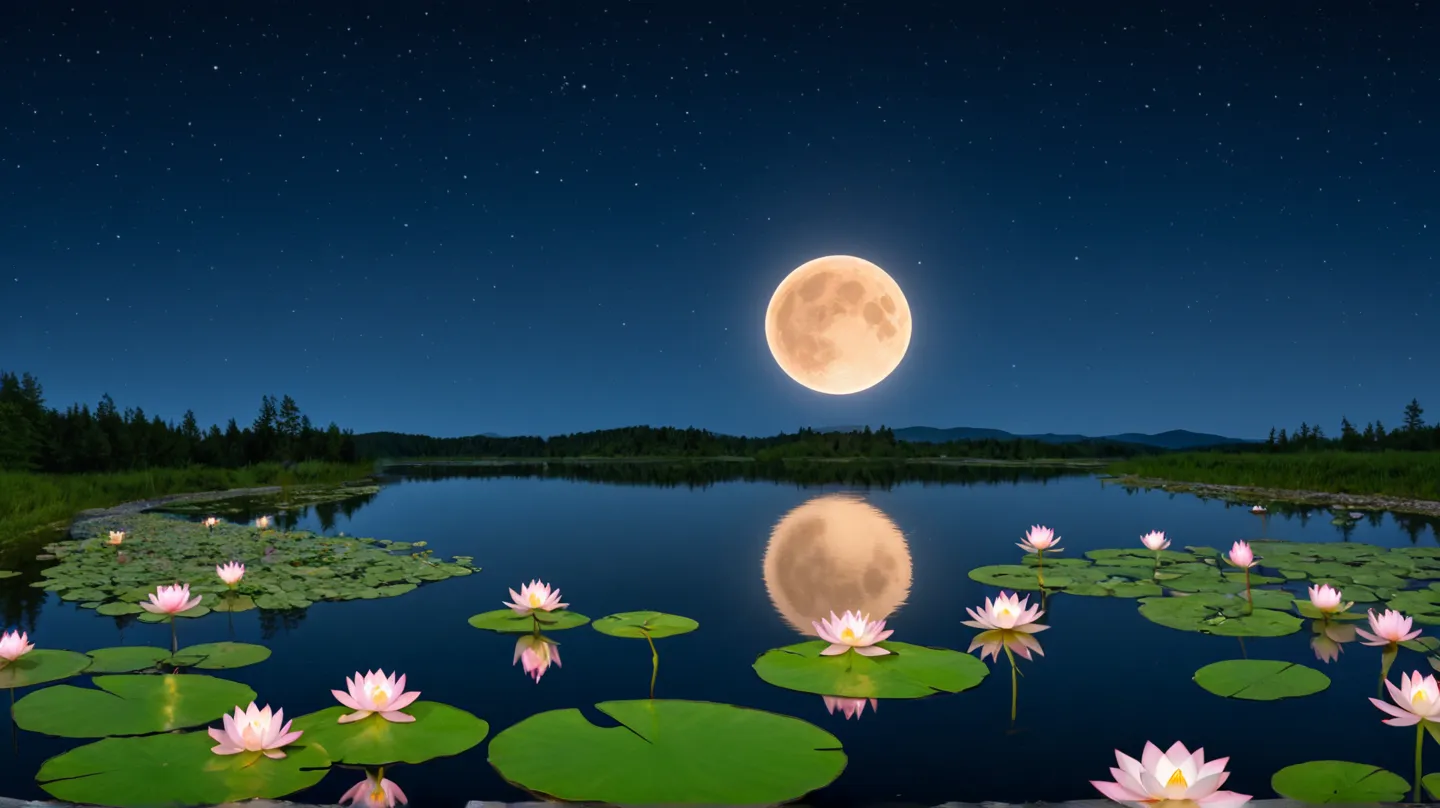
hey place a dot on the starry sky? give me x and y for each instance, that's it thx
(543, 217)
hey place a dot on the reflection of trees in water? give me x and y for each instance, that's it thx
(702, 474)
(273, 622)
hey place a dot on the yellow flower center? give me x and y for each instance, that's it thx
(1003, 611)
(377, 795)
(535, 600)
(378, 693)
(1177, 779)
(258, 725)
(847, 634)
(1417, 698)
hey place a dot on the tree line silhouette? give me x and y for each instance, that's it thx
(35, 437)
(1413, 435)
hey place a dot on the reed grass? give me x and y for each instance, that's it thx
(1410, 475)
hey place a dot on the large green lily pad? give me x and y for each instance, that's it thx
(1321, 781)
(126, 659)
(506, 621)
(129, 705)
(1260, 679)
(1225, 615)
(41, 666)
(282, 572)
(438, 730)
(219, 656)
(639, 625)
(668, 752)
(160, 771)
(908, 672)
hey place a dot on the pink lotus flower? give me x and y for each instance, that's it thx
(1155, 540)
(1326, 599)
(231, 573)
(210, 522)
(535, 596)
(1008, 621)
(1039, 539)
(262, 522)
(1174, 776)
(13, 645)
(850, 708)
(1241, 555)
(1390, 628)
(535, 655)
(374, 692)
(254, 730)
(171, 600)
(852, 630)
(117, 536)
(1416, 699)
(374, 792)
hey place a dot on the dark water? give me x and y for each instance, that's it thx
(1108, 678)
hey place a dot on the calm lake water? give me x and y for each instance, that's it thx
(1108, 679)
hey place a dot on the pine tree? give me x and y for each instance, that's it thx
(1413, 422)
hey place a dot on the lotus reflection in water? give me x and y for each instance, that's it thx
(852, 631)
(535, 652)
(1176, 776)
(1007, 622)
(254, 730)
(374, 792)
(1037, 540)
(1417, 703)
(170, 601)
(849, 707)
(376, 693)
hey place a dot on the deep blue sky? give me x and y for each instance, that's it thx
(559, 216)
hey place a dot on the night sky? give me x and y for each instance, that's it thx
(542, 217)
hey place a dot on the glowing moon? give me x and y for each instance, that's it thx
(836, 552)
(838, 324)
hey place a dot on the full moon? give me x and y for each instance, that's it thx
(836, 552)
(838, 324)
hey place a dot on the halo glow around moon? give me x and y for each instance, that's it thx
(836, 552)
(838, 324)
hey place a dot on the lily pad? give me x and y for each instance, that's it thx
(438, 730)
(1321, 781)
(506, 621)
(1260, 679)
(125, 659)
(117, 609)
(1018, 576)
(41, 666)
(908, 672)
(638, 625)
(1224, 615)
(129, 705)
(219, 656)
(233, 603)
(668, 752)
(170, 769)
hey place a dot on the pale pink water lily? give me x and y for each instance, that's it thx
(1390, 628)
(230, 573)
(1169, 777)
(849, 707)
(1327, 600)
(852, 631)
(254, 730)
(374, 792)
(1008, 621)
(1155, 540)
(1241, 555)
(1416, 699)
(262, 522)
(535, 655)
(1039, 539)
(171, 600)
(13, 645)
(535, 596)
(117, 536)
(210, 522)
(374, 692)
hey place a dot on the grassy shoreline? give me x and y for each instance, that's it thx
(1397, 475)
(33, 502)
(1078, 463)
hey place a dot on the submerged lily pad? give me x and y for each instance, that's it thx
(908, 672)
(1321, 781)
(638, 625)
(506, 621)
(233, 603)
(1225, 615)
(158, 771)
(668, 752)
(129, 705)
(438, 730)
(125, 659)
(41, 666)
(1260, 679)
(219, 656)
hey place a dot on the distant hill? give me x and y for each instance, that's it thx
(1174, 439)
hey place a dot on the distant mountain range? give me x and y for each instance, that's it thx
(1174, 439)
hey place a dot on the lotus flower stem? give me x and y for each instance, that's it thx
(1014, 684)
(1387, 658)
(1040, 568)
(1419, 747)
(1243, 655)
(174, 645)
(1156, 572)
(654, 662)
(1248, 597)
